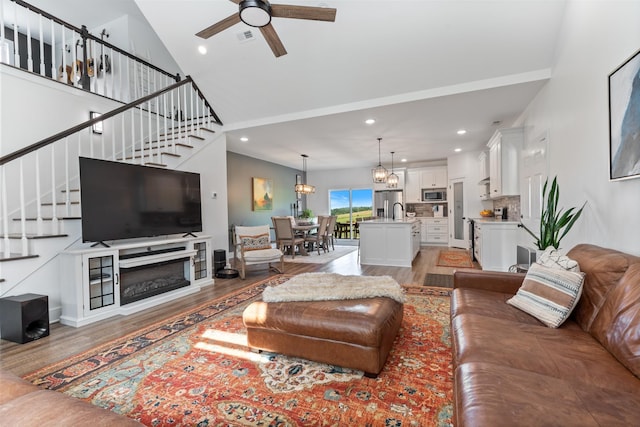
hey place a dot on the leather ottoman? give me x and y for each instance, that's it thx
(357, 333)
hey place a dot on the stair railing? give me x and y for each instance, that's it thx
(63, 52)
(146, 131)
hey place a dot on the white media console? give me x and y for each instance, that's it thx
(98, 283)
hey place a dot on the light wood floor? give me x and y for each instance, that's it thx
(65, 341)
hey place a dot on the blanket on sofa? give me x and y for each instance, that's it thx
(331, 286)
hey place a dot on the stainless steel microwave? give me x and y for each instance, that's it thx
(437, 195)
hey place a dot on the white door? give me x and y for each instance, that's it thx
(458, 235)
(533, 173)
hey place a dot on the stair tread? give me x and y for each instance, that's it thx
(32, 236)
(59, 203)
(48, 218)
(208, 130)
(15, 257)
(155, 164)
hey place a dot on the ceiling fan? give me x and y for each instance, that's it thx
(258, 13)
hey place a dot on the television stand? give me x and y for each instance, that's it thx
(125, 278)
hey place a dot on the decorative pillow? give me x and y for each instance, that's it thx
(551, 258)
(255, 243)
(549, 294)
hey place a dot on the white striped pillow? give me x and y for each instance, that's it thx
(549, 294)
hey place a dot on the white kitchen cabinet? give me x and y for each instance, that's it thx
(424, 178)
(504, 157)
(436, 231)
(413, 186)
(435, 177)
(495, 244)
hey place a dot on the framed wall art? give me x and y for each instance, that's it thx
(624, 120)
(262, 194)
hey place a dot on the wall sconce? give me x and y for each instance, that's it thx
(97, 127)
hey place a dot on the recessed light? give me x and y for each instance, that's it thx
(244, 139)
(462, 132)
(370, 121)
(457, 150)
(403, 160)
(202, 49)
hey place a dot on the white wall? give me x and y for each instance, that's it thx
(335, 180)
(596, 38)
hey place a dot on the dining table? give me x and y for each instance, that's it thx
(304, 230)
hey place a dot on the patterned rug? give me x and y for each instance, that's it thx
(193, 370)
(448, 258)
(439, 280)
(323, 258)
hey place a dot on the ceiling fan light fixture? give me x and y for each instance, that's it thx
(255, 13)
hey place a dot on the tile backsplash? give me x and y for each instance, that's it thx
(512, 203)
(425, 209)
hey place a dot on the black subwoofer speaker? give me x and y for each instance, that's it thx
(24, 318)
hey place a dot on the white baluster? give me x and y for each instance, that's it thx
(53, 50)
(42, 72)
(133, 137)
(113, 138)
(16, 51)
(63, 60)
(122, 126)
(150, 137)
(141, 114)
(5, 216)
(91, 143)
(55, 226)
(67, 185)
(164, 121)
(173, 124)
(39, 221)
(23, 219)
(29, 48)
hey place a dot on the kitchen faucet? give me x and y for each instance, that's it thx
(393, 210)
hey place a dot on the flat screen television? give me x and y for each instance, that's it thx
(125, 201)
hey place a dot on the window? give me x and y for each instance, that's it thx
(350, 206)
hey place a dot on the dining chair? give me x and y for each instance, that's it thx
(285, 236)
(252, 245)
(331, 231)
(320, 238)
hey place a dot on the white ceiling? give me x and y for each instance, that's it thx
(422, 68)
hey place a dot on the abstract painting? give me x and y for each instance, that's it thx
(262, 194)
(624, 120)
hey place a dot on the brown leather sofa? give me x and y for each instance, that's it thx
(511, 370)
(25, 405)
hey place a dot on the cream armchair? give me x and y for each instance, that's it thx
(252, 245)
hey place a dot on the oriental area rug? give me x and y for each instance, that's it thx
(194, 370)
(448, 258)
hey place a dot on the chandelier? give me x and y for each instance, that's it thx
(392, 179)
(379, 173)
(305, 188)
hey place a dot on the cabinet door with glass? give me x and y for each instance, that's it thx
(201, 261)
(101, 290)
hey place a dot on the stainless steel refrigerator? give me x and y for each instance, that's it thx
(385, 203)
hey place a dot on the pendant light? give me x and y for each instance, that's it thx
(305, 188)
(392, 179)
(379, 173)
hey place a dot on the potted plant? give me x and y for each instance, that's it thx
(307, 217)
(554, 223)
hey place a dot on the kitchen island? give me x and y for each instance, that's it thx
(389, 242)
(495, 243)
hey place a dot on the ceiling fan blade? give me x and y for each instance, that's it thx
(219, 26)
(236, 1)
(303, 12)
(273, 40)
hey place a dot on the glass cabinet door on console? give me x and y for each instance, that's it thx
(201, 264)
(101, 282)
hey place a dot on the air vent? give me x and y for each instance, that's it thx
(245, 36)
